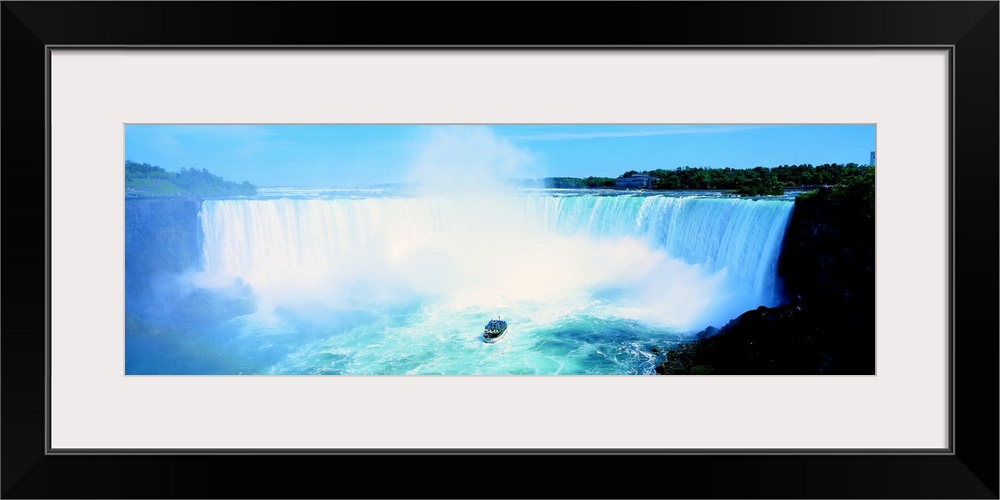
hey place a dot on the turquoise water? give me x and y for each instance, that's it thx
(380, 282)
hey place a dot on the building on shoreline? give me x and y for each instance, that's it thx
(636, 180)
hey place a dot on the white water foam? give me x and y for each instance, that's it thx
(681, 262)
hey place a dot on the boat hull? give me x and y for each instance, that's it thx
(490, 340)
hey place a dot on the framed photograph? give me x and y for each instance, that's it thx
(315, 245)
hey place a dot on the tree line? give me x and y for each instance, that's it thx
(191, 180)
(577, 183)
(751, 181)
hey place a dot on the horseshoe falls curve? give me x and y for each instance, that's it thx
(370, 283)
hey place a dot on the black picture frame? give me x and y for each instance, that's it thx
(969, 28)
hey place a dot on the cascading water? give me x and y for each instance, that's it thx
(375, 283)
(299, 242)
(369, 283)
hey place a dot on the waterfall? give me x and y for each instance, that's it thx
(681, 251)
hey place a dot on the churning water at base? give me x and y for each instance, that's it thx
(376, 283)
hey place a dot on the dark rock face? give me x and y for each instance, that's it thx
(162, 237)
(828, 255)
(828, 260)
(163, 240)
(706, 333)
(827, 265)
(763, 341)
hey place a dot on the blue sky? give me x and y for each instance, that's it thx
(351, 155)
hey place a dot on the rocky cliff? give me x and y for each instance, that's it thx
(162, 244)
(827, 325)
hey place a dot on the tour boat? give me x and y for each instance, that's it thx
(494, 330)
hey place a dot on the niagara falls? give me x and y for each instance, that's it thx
(617, 275)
